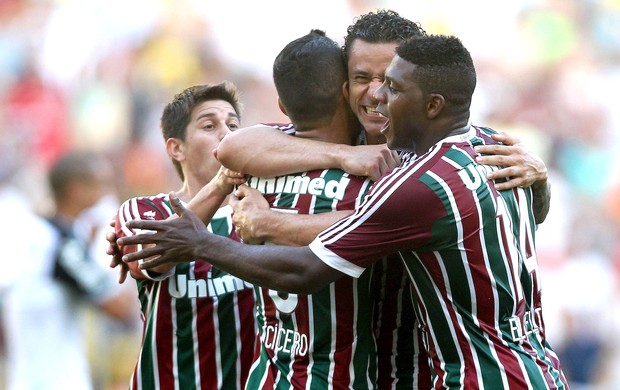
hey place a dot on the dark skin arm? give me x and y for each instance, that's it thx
(523, 169)
(283, 268)
(255, 222)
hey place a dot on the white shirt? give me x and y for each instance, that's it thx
(41, 318)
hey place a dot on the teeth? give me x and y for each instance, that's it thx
(372, 111)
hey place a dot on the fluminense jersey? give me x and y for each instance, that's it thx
(323, 340)
(199, 322)
(401, 357)
(469, 251)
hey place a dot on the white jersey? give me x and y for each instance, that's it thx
(41, 317)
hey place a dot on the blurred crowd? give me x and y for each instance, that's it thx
(94, 75)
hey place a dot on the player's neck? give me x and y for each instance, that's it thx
(185, 193)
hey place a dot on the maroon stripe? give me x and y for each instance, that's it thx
(206, 333)
(247, 332)
(163, 338)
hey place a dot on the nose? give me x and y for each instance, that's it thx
(225, 130)
(373, 87)
(379, 93)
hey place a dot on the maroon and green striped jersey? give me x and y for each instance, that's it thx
(401, 357)
(323, 340)
(469, 252)
(199, 322)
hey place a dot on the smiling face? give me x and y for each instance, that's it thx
(366, 66)
(210, 122)
(404, 103)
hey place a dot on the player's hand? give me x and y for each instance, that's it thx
(226, 180)
(114, 251)
(521, 168)
(371, 161)
(250, 214)
(175, 240)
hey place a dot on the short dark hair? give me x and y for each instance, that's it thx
(443, 66)
(384, 26)
(308, 75)
(178, 113)
(73, 166)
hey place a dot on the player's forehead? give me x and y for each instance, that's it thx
(216, 109)
(400, 71)
(365, 56)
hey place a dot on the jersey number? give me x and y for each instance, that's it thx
(285, 302)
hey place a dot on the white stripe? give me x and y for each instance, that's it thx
(381, 192)
(459, 227)
(492, 280)
(175, 346)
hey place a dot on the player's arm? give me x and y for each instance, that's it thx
(267, 152)
(283, 268)
(521, 169)
(256, 223)
(210, 197)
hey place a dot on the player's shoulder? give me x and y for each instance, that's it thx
(482, 136)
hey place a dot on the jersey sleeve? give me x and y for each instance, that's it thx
(398, 214)
(141, 208)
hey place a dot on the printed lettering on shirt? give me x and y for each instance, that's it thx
(301, 184)
(521, 327)
(285, 340)
(182, 287)
(474, 176)
(285, 302)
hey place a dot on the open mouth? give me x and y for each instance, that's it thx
(372, 111)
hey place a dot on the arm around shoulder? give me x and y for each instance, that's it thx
(266, 151)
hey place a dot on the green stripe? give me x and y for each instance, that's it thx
(258, 371)
(441, 332)
(364, 358)
(285, 200)
(228, 345)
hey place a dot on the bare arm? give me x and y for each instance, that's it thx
(522, 169)
(256, 222)
(282, 268)
(210, 197)
(267, 152)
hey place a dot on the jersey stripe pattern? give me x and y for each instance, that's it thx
(401, 357)
(199, 327)
(469, 251)
(323, 340)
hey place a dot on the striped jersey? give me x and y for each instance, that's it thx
(323, 340)
(401, 356)
(469, 251)
(199, 327)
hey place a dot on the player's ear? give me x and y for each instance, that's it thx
(345, 90)
(282, 107)
(435, 103)
(175, 149)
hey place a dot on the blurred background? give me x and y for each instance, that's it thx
(95, 75)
